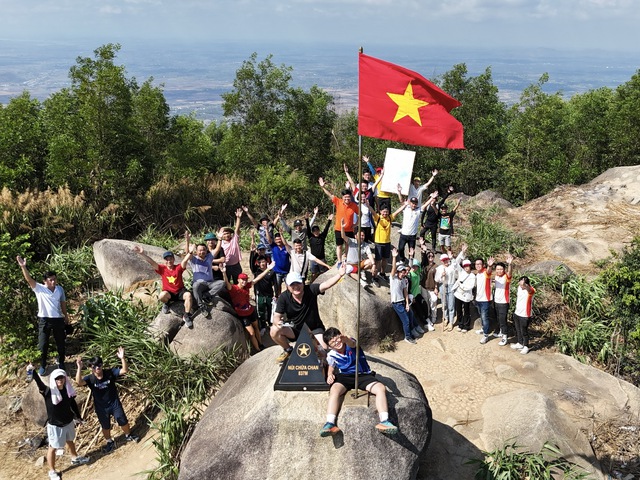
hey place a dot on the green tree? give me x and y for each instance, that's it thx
(22, 143)
(625, 123)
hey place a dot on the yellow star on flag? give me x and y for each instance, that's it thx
(407, 105)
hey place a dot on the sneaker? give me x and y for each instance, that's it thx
(109, 447)
(420, 329)
(459, 329)
(383, 275)
(53, 475)
(497, 334)
(284, 355)
(80, 460)
(524, 350)
(329, 429)
(430, 327)
(165, 308)
(410, 340)
(464, 330)
(480, 332)
(503, 342)
(132, 438)
(484, 339)
(207, 312)
(187, 320)
(415, 333)
(41, 371)
(364, 283)
(517, 346)
(387, 428)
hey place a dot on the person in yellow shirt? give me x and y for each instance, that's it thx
(382, 238)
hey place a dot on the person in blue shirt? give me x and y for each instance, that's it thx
(341, 376)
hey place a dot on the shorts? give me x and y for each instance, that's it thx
(315, 267)
(383, 250)
(444, 240)
(249, 319)
(174, 297)
(349, 380)
(314, 331)
(105, 414)
(339, 240)
(59, 436)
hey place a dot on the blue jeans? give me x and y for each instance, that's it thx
(483, 311)
(448, 303)
(406, 318)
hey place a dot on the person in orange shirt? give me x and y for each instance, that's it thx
(345, 209)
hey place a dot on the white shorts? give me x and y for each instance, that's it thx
(59, 436)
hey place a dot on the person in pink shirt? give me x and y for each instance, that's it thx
(231, 245)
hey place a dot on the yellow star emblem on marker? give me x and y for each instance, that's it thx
(407, 105)
(303, 350)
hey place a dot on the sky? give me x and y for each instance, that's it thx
(564, 24)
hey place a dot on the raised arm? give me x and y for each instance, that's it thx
(429, 182)
(264, 274)
(278, 216)
(400, 209)
(327, 284)
(79, 367)
(349, 179)
(367, 162)
(400, 193)
(227, 283)
(238, 216)
(124, 369)
(509, 260)
(250, 217)
(457, 205)
(313, 219)
(326, 227)
(140, 251)
(394, 258)
(322, 184)
(25, 272)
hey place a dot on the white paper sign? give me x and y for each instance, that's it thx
(398, 165)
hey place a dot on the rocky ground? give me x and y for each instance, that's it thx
(576, 225)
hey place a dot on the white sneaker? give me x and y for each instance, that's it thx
(410, 340)
(458, 329)
(363, 283)
(484, 339)
(420, 329)
(497, 334)
(430, 327)
(503, 342)
(53, 475)
(480, 332)
(517, 346)
(524, 350)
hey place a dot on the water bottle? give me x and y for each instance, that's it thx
(30, 369)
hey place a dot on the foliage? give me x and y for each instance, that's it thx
(510, 462)
(75, 268)
(590, 337)
(487, 237)
(186, 383)
(18, 326)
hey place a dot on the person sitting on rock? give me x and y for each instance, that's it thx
(364, 262)
(241, 302)
(341, 376)
(102, 383)
(215, 248)
(62, 413)
(205, 286)
(173, 288)
(300, 305)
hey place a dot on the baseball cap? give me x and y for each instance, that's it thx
(466, 263)
(243, 276)
(262, 246)
(293, 277)
(297, 223)
(416, 262)
(400, 267)
(417, 178)
(210, 236)
(414, 200)
(167, 254)
(444, 257)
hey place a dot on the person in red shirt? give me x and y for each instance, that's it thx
(241, 300)
(345, 209)
(173, 288)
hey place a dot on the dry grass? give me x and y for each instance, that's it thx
(616, 444)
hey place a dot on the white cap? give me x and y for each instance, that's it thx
(444, 257)
(466, 263)
(294, 277)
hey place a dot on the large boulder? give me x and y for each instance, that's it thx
(489, 198)
(121, 267)
(377, 319)
(533, 418)
(251, 431)
(571, 249)
(550, 268)
(223, 329)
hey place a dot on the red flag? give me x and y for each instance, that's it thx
(401, 105)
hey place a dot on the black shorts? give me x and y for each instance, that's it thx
(339, 240)
(174, 297)
(349, 380)
(249, 319)
(383, 250)
(116, 411)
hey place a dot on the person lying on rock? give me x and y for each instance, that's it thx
(341, 376)
(102, 383)
(300, 305)
(173, 288)
(62, 413)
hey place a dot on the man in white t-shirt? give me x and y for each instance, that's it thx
(301, 259)
(52, 313)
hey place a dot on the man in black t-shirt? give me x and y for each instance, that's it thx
(300, 304)
(102, 383)
(263, 291)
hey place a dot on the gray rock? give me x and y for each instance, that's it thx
(532, 419)
(251, 431)
(550, 268)
(377, 319)
(489, 198)
(221, 330)
(121, 267)
(571, 249)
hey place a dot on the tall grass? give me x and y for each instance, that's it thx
(186, 383)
